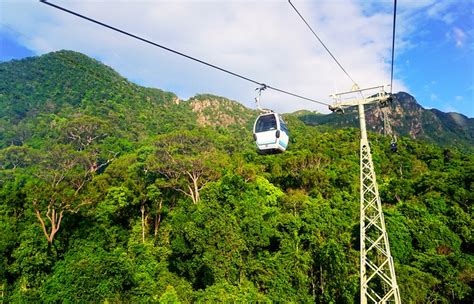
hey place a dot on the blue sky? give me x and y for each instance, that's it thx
(266, 41)
(439, 68)
(10, 48)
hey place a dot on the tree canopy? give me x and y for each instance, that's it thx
(110, 192)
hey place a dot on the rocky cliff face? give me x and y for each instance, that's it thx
(218, 111)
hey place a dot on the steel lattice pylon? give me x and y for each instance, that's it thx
(378, 282)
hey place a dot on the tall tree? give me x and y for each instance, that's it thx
(83, 131)
(59, 179)
(187, 161)
(14, 157)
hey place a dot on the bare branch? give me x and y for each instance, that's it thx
(55, 228)
(182, 191)
(192, 194)
(48, 213)
(84, 203)
(38, 215)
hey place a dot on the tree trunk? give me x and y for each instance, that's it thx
(321, 278)
(196, 189)
(192, 194)
(55, 220)
(142, 209)
(158, 219)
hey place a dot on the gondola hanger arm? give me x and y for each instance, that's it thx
(344, 99)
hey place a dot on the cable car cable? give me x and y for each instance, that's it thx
(325, 47)
(393, 42)
(178, 53)
(387, 126)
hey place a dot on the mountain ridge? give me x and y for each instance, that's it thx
(407, 118)
(68, 83)
(83, 76)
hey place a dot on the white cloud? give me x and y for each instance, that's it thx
(439, 10)
(263, 40)
(459, 37)
(415, 20)
(449, 109)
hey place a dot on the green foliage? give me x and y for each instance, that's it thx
(32, 260)
(169, 296)
(117, 199)
(418, 285)
(399, 236)
(223, 292)
(167, 201)
(89, 274)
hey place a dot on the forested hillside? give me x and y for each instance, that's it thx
(111, 192)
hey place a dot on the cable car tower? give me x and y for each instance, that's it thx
(378, 283)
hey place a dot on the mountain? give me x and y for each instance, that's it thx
(407, 118)
(66, 84)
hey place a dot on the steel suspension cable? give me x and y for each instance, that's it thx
(179, 53)
(319, 39)
(393, 43)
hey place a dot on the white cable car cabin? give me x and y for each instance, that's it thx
(270, 133)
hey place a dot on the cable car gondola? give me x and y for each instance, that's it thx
(270, 133)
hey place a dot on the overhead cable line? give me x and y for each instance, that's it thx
(393, 43)
(317, 37)
(179, 53)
